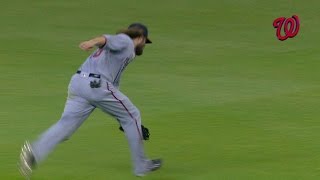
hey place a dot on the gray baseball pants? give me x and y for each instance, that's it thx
(81, 102)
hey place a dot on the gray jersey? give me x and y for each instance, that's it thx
(84, 97)
(110, 61)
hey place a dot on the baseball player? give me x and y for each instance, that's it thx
(96, 85)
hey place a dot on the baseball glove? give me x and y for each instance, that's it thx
(145, 132)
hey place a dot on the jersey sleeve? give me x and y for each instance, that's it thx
(117, 42)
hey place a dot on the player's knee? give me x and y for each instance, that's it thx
(137, 114)
(68, 117)
(69, 122)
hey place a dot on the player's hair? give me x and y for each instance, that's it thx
(132, 32)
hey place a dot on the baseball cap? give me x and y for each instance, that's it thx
(143, 28)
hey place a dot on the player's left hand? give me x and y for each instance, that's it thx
(145, 132)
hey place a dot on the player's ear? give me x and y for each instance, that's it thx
(139, 39)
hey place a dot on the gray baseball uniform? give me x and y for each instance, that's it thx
(108, 62)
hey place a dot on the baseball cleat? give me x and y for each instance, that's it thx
(27, 160)
(154, 165)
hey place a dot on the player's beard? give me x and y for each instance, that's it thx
(139, 50)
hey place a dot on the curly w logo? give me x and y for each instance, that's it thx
(291, 27)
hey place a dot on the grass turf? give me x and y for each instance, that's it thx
(223, 98)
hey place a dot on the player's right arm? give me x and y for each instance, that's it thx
(113, 42)
(95, 42)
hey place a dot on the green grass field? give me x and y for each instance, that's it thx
(223, 98)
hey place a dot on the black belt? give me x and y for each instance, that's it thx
(91, 74)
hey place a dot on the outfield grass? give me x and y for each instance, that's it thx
(223, 98)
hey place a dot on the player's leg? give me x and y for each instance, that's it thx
(76, 111)
(128, 115)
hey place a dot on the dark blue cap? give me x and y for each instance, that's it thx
(143, 28)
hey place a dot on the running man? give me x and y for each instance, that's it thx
(96, 85)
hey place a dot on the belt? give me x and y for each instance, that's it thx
(90, 74)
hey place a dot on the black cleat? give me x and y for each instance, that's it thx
(156, 164)
(153, 165)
